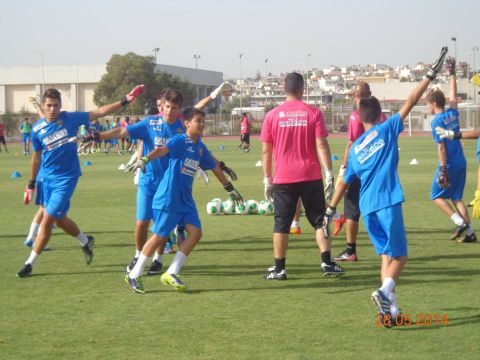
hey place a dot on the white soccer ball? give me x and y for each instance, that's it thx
(252, 206)
(265, 208)
(241, 209)
(214, 208)
(228, 207)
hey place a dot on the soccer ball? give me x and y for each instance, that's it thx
(228, 207)
(214, 208)
(241, 209)
(252, 206)
(265, 208)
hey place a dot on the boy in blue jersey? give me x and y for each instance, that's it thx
(173, 202)
(55, 150)
(449, 180)
(373, 158)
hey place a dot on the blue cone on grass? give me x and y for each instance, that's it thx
(334, 157)
(87, 163)
(16, 174)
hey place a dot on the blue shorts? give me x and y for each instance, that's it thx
(134, 141)
(387, 231)
(478, 150)
(25, 138)
(56, 196)
(165, 221)
(39, 196)
(114, 141)
(145, 193)
(454, 192)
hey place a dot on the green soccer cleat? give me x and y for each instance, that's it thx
(136, 284)
(173, 280)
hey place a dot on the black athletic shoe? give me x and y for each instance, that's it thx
(271, 274)
(459, 231)
(383, 304)
(155, 268)
(343, 256)
(468, 239)
(25, 271)
(332, 269)
(88, 249)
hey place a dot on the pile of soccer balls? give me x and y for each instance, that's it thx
(250, 207)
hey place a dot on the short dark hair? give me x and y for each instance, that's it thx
(369, 110)
(173, 96)
(244, 114)
(437, 97)
(293, 83)
(160, 96)
(190, 112)
(51, 94)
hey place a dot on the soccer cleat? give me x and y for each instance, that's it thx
(155, 268)
(468, 239)
(338, 224)
(130, 266)
(25, 271)
(168, 248)
(28, 243)
(88, 249)
(382, 303)
(295, 230)
(344, 256)
(173, 280)
(136, 284)
(273, 275)
(332, 269)
(459, 230)
(180, 234)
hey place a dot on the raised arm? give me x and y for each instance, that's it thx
(223, 88)
(111, 108)
(450, 65)
(418, 91)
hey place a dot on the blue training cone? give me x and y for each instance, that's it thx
(16, 174)
(87, 163)
(221, 147)
(334, 157)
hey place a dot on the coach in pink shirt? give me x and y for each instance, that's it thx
(292, 134)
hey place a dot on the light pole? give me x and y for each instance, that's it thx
(474, 50)
(266, 68)
(241, 81)
(43, 71)
(155, 52)
(196, 57)
(308, 55)
(454, 39)
(266, 80)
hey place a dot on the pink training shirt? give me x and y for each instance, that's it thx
(292, 128)
(2, 129)
(245, 126)
(355, 126)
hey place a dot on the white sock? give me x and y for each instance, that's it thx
(469, 230)
(387, 286)
(139, 267)
(82, 238)
(157, 257)
(137, 253)
(457, 219)
(32, 234)
(295, 224)
(393, 304)
(177, 263)
(32, 258)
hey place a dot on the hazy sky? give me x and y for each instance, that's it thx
(337, 32)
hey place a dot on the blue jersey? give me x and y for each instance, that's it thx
(185, 157)
(373, 158)
(59, 157)
(478, 149)
(154, 131)
(449, 120)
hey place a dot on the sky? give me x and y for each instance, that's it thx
(342, 32)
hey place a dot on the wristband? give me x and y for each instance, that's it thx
(228, 187)
(124, 101)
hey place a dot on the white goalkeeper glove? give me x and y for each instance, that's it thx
(139, 164)
(223, 88)
(201, 173)
(329, 184)
(268, 190)
(447, 134)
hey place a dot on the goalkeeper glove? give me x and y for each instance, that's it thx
(447, 134)
(268, 189)
(327, 220)
(450, 65)
(442, 178)
(229, 173)
(437, 65)
(95, 136)
(139, 164)
(132, 95)
(329, 184)
(224, 87)
(202, 173)
(233, 193)
(476, 205)
(29, 190)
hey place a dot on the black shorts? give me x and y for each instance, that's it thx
(351, 207)
(245, 138)
(2, 140)
(285, 198)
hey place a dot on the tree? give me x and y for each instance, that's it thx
(126, 71)
(258, 75)
(235, 103)
(10, 123)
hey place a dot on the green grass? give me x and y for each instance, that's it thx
(70, 310)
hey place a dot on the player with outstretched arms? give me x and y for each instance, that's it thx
(373, 158)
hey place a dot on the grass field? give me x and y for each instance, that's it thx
(69, 310)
